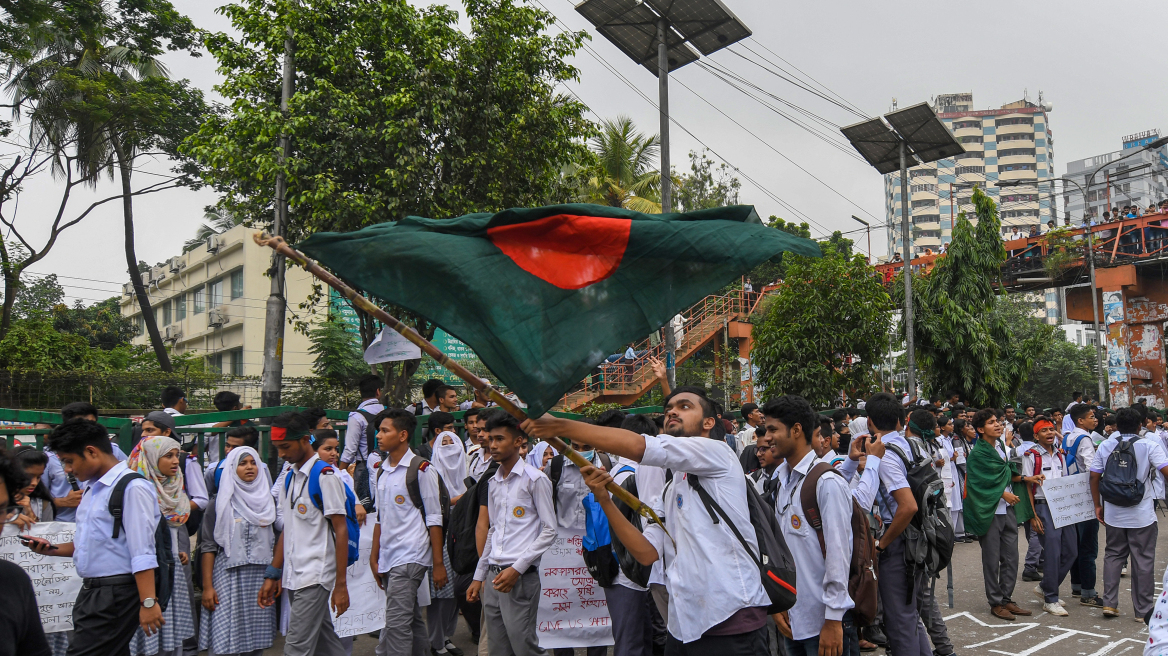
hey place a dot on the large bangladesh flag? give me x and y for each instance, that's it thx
(543, 295)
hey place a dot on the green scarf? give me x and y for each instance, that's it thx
(987, 475)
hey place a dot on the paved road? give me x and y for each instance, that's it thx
(974, 631)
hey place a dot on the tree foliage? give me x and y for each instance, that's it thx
(1064, 368)
(824, 329)
(706, 186)
(962, 343)
(625, 173)
(339, 358)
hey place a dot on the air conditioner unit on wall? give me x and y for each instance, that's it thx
(128, 290)
(214, 243)
(217, 317)
(157, 274)
(176, 264)
(173, 333)
(147, 276)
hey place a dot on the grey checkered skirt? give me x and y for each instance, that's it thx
(238, 625)
(180, 620)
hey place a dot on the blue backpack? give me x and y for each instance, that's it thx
(1072, 453)
(318, 501)
(596, 545)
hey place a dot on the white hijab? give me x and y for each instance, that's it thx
(252, 502)
(858, 426)
(535, 457)
(450, 460)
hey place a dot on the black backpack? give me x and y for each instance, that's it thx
(630, 566)
(163, 546)
(776, 566)
(414, 490)
(464, 518)
(1120, 484)
(361, 486)
(556, 471)
(928, 539)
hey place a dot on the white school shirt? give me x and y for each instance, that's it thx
(893, 475)
(356, 442)
(478, 466)
(309, 545)
(864, 490)
(1002, 450)
(618, 464)
(709, 562)
(196, 484)
(822, 582)
(95, 551)
(1053, 466)
(1150, 455)
(571, 491)
(1085, 453)
(523, 519)
(650, 487)
(405, 535)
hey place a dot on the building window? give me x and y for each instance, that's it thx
(972, 154)
(215, 362)
(236, 284)
(970, 139)
(166, 313)
(1016, 137)
(237, 362)
(139, 325)
(180, 307)
(916, 173)
(957, 125)
(216, 293)
(965, 170)
(1026, 120)
(1010, 152)
(924, 187)
(199, 301)
(924, 203)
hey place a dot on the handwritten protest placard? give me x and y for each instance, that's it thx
(572, 609)
(54, 579)
(1069, 498)
(366, 600)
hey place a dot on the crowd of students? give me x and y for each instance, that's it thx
(177, 557)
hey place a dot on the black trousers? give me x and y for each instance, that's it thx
(105, 618)
(471, 612)
(751, 643)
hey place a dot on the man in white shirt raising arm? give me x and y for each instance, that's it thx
(717, 602)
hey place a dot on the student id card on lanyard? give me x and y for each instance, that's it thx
(296, 503)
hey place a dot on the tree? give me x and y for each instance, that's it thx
(706, 186)
(626, 174)
(219, 221)
(962, 343)
(339, 358)
(1064, 367)
(395, 112)
(824, 330)
(98, 97)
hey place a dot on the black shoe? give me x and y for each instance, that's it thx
(451, 649)
(1093, 602)
(874, 634)
(1031, 575)
(475, 638)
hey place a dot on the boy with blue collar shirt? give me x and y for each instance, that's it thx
(821, 621)
(311, 555)
(407, 543)
(117, 594)
(717, 602)
(1079, 452)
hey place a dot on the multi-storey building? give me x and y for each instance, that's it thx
(1141, 179)
(211, 301)
(1010, 143)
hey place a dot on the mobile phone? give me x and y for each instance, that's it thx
(864, 443)
(28, 541)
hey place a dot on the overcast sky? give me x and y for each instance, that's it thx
(1099, 65)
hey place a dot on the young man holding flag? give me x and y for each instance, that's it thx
(717, 602)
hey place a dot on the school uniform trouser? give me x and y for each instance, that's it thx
(1140, 545)
(1061, 546)
(657, 622)
(906, 631)
(750, 643)
(632, 622)
(1083, 572)
(1035, 554)
(191, 644)
(405, 630)
(591, 651)
(310, 625)
(441, 619)
(999, 558)
(810, 646)
(932, 618)
(472, 612)
(511, 616)
(105, 616)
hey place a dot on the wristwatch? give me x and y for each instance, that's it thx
(149, 602)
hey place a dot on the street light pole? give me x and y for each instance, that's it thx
(271, 380)
(905, 219)
(868, 229)
(666, 202)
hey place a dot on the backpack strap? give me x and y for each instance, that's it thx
(412, 487)
(1037, 466)
(218, 474)
(370, 432)
(556, 471)
(117, 500)
(606, 461)
(1074, 452)
(314, 492)
(810, 500)
(712, 507)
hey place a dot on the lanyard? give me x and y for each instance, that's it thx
(292, 500)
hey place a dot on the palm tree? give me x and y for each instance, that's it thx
(626, 174)
(75, 83)
(219, 221)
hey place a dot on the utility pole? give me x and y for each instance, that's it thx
(272, 379)
(867, 229)
(905, 219)
(666, 201)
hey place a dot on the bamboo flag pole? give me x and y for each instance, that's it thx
(365, 305)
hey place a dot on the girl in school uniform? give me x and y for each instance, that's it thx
(235, 543)
(449, 458)
(328, 447)
(158, 459)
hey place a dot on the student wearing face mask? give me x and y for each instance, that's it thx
(448, 456)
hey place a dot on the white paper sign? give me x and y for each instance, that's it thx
(54, 579)
(366, 600)
(391, 346)
(1069, 498)
(572, 609)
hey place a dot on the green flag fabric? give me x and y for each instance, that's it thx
(987, 476)
(543, 295)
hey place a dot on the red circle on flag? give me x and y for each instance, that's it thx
(565, 250)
